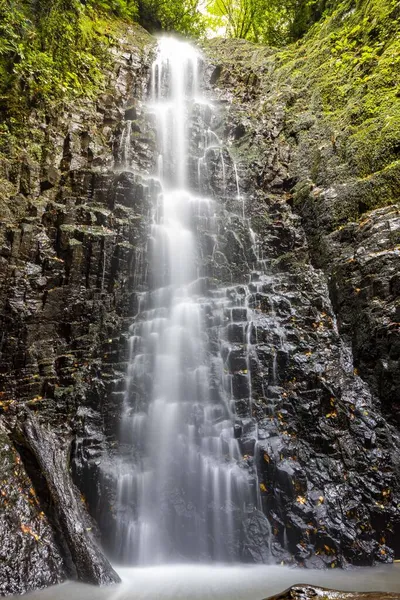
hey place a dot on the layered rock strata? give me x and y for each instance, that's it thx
(326, 456)
(72, 231)
(73, 258)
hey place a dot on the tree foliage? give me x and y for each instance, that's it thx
(180, 16)
(51, 49)
(273, 22)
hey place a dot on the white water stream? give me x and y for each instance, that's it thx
(182, 491)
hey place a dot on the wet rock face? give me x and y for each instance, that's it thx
(361, 259)
(47, 457)
(29, 555)
(325, 455)
(288, 143)
(365, 288)
(71, 242)
(73, 255)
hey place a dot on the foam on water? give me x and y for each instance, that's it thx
(219, 582)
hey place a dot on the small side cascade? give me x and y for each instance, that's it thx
(124, 150)
(239, 196)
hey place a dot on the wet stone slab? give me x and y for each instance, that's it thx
(305, 592)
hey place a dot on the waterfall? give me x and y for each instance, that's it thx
(184, 489)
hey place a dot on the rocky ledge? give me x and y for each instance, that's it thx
(304, 592)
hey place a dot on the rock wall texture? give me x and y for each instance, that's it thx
(326, 455)
(71, 235)
(73, 256)
(348, 208)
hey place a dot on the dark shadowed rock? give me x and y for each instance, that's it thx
(48, 457)
(69, 254)
(29, 553)
(321, 431)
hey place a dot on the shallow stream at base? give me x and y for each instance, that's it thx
(219, 582)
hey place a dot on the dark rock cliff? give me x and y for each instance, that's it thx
(72, 231)
(327, 447)
(305, 128)
(73, 254)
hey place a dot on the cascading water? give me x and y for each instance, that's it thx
(184, 490)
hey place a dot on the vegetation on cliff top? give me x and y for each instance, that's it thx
(352, 62)
(271, 22)
(55, 50)
(345, 72)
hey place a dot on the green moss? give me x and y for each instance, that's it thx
(351, 63)
(72, 242)
(339, 90)
(126, 245)
(290, 261)
(52, 53)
